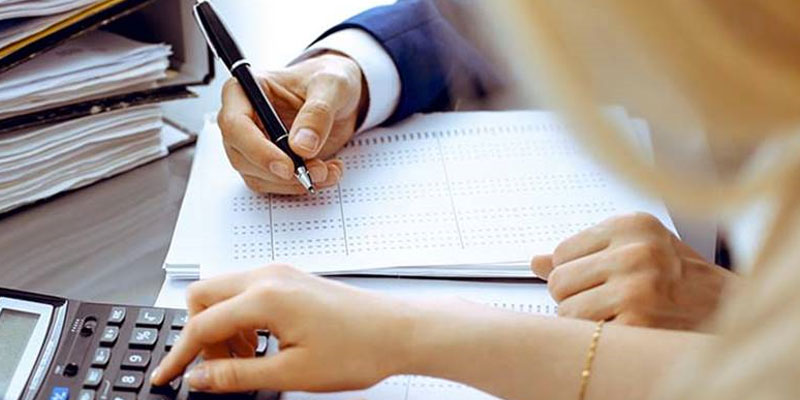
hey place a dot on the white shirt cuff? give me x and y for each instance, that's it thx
(383, 80)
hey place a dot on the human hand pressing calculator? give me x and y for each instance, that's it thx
(59, 349)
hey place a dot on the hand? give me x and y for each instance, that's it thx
(332, 336)
(633, 271)
(319, 98)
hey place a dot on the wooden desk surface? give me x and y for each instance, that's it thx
(105, 242)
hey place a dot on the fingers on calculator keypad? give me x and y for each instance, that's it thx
(172, 338)
(129, 343)
(171, 388)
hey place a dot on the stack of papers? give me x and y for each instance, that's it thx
(40, 162)
(22, 18)
(448, 195)
(98, 63)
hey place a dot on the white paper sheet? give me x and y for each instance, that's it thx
(448, 189)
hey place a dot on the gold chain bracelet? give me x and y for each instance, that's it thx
(587, 366)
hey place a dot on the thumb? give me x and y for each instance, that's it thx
(326, 96)
(542, 265)
(244, 374)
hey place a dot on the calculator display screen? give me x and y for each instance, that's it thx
(16, 329)
(23, 330)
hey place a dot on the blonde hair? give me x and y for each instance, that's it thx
(724, 72)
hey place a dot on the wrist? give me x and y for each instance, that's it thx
(435, 331)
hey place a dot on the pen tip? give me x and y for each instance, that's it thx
(312, 190)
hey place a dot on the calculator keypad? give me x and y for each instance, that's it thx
(122, 352)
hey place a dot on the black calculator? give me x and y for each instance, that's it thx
(59, 349)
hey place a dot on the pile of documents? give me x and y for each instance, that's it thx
(38, 163)
(472, 194)
(97, 63)
(41, 159)
(22, 18)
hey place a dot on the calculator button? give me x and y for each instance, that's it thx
(122, 396)
(136, 359)
(150, 317)
(117, 315)
(263, 342)
(110, 335)
(101, 357)
(93, 378)
(129, 381)
(179, 319)
(86, 394)
(59, 393)
(170, 389)
(172, 338)
(143, 337)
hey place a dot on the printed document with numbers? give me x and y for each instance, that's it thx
(450, 194)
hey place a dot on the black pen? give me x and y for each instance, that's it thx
(226, 49)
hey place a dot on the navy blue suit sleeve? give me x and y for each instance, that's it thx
(436, 64)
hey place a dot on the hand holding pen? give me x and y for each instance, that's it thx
(319, 98)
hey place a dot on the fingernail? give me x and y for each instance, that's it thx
(154, 375)
(198, 377)
(280, 169)
(306, 139)
(317, 174)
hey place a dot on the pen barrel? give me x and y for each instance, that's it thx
(217, 34)
(275, 129)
